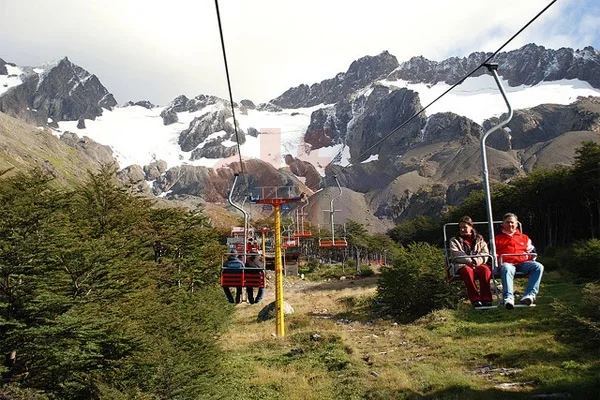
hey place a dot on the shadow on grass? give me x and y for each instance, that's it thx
(574, 391)
(584, 391)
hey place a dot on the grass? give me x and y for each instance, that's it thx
(336, 347)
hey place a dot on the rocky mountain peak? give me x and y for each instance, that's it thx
(59, 91)
(3, 70)
(360, 74)
(182, 104)
(529, 65)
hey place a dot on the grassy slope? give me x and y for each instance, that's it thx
(24, 146)
(335, 349)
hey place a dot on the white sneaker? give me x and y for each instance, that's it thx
(509, 304)
(527, 300)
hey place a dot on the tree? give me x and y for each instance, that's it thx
(587, 177)
(358, 240)
(414, 284)
(83, 299)
(421, 228)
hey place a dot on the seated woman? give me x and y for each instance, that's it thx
(465, 249)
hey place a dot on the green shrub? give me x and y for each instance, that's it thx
(415, 283)
(581, 258)
(366, 270)
(582, 325)
(586, 258)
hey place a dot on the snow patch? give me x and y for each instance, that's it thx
(12, 79)
(138, 136)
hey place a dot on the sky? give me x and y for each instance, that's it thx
(156, 50)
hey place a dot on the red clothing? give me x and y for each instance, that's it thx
(251, 248)
(517, 243)
(483, 274)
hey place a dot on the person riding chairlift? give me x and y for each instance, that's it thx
(465, 250)
(251, 246)
(233, 263)
(254, 266)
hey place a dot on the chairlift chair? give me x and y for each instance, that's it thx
(333, 241)
(452, 274)
(300, 232)
(241, 277)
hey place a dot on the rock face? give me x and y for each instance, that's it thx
(143, 103)
(3, 70)
(305, 170)
(528, 65)
(546, 122)
(61, 92)
(94, 150)
(201, 127)
(212, 184)
(429, 163)
(183, 104)
(361, 73)
(155, 170)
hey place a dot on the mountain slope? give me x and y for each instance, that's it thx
(188, 150)
(23, 146)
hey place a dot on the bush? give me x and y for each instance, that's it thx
(586, 258)
(582, 325)
(582, 258)
(415, 283)
(366, 270)
(321, 272)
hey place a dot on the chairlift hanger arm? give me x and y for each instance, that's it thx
(486, 181)
(240, 208)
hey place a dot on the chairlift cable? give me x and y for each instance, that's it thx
(487, 60)
(237, 139)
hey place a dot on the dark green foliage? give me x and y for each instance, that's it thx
(586, 259)
(103, 296)
(581, 325)
(415, 283)
(366, 270)
(586, 173)
(14, 392)
(581, 258)
(419, 229)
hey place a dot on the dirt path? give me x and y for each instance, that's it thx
(326, 305)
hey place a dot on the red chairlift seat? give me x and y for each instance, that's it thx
(337, 243)
(304, 234)
(290, 241)
(243, 277)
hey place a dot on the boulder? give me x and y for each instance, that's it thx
(270, 311)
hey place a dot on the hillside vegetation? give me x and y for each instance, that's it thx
(23, 147)
(103, 295)
(339, 345)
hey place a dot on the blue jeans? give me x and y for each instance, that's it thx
(532, 268)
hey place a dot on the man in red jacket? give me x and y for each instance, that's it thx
(514, 248)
